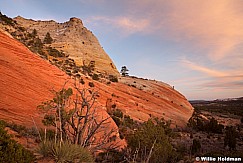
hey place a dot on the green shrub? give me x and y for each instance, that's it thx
(54, 52)
(128, 122)
(22, 130)
(110, 156)
(49, 135)
(199, 124)
(91, 84)
(11, 151)
(45, 148)
(113, 78)
(181, 149)
(149, 135)
(118, 113)
(22, 29)
(82, 81)
(95, 77)
(67, 152)
(214, 127)
(88, 69)
(34, 33)
(48, 39)
(7, 20)
(116, 120)
(196, 146)
(17, 128)
(230, 137)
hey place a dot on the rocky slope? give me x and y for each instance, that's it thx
(26, 81)
(26, 78)
(75, 40)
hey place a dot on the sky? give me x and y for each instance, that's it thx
(194, 45)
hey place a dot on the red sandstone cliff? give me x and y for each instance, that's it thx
(26, 81)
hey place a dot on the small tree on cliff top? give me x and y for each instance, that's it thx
(124, 71)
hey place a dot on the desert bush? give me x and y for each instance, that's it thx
(82, 81)
(54, 52)
(111, 156)
(213, 126)
(22, 29)
(118, 113)
(128, 121)
(5, 19)
(45, 148)
(34, 33)
(95, 77)
(22, 130)
(48, 39)
(113, 78)
(70, 152)
(11, 151)
(18, 128)
(66, 152)
(230, 137)
(181, 148)
(91, 84)
(196, 146)
(114, 106)
(116, 120)
(48, 135)
(75, 71)
(134, 86)
(88, 69)
(150, 143)
(199, 124)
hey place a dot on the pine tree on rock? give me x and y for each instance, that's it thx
(124, 71)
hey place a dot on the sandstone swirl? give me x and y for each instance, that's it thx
(26, 81)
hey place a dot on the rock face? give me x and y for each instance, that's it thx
(26, 81)
(142, 99)
(75, 40)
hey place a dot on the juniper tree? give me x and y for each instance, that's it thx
(74, 115)
(230, 137)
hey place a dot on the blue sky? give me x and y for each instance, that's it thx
(195, 46)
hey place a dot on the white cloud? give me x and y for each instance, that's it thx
(208, 71)
(126, 25)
